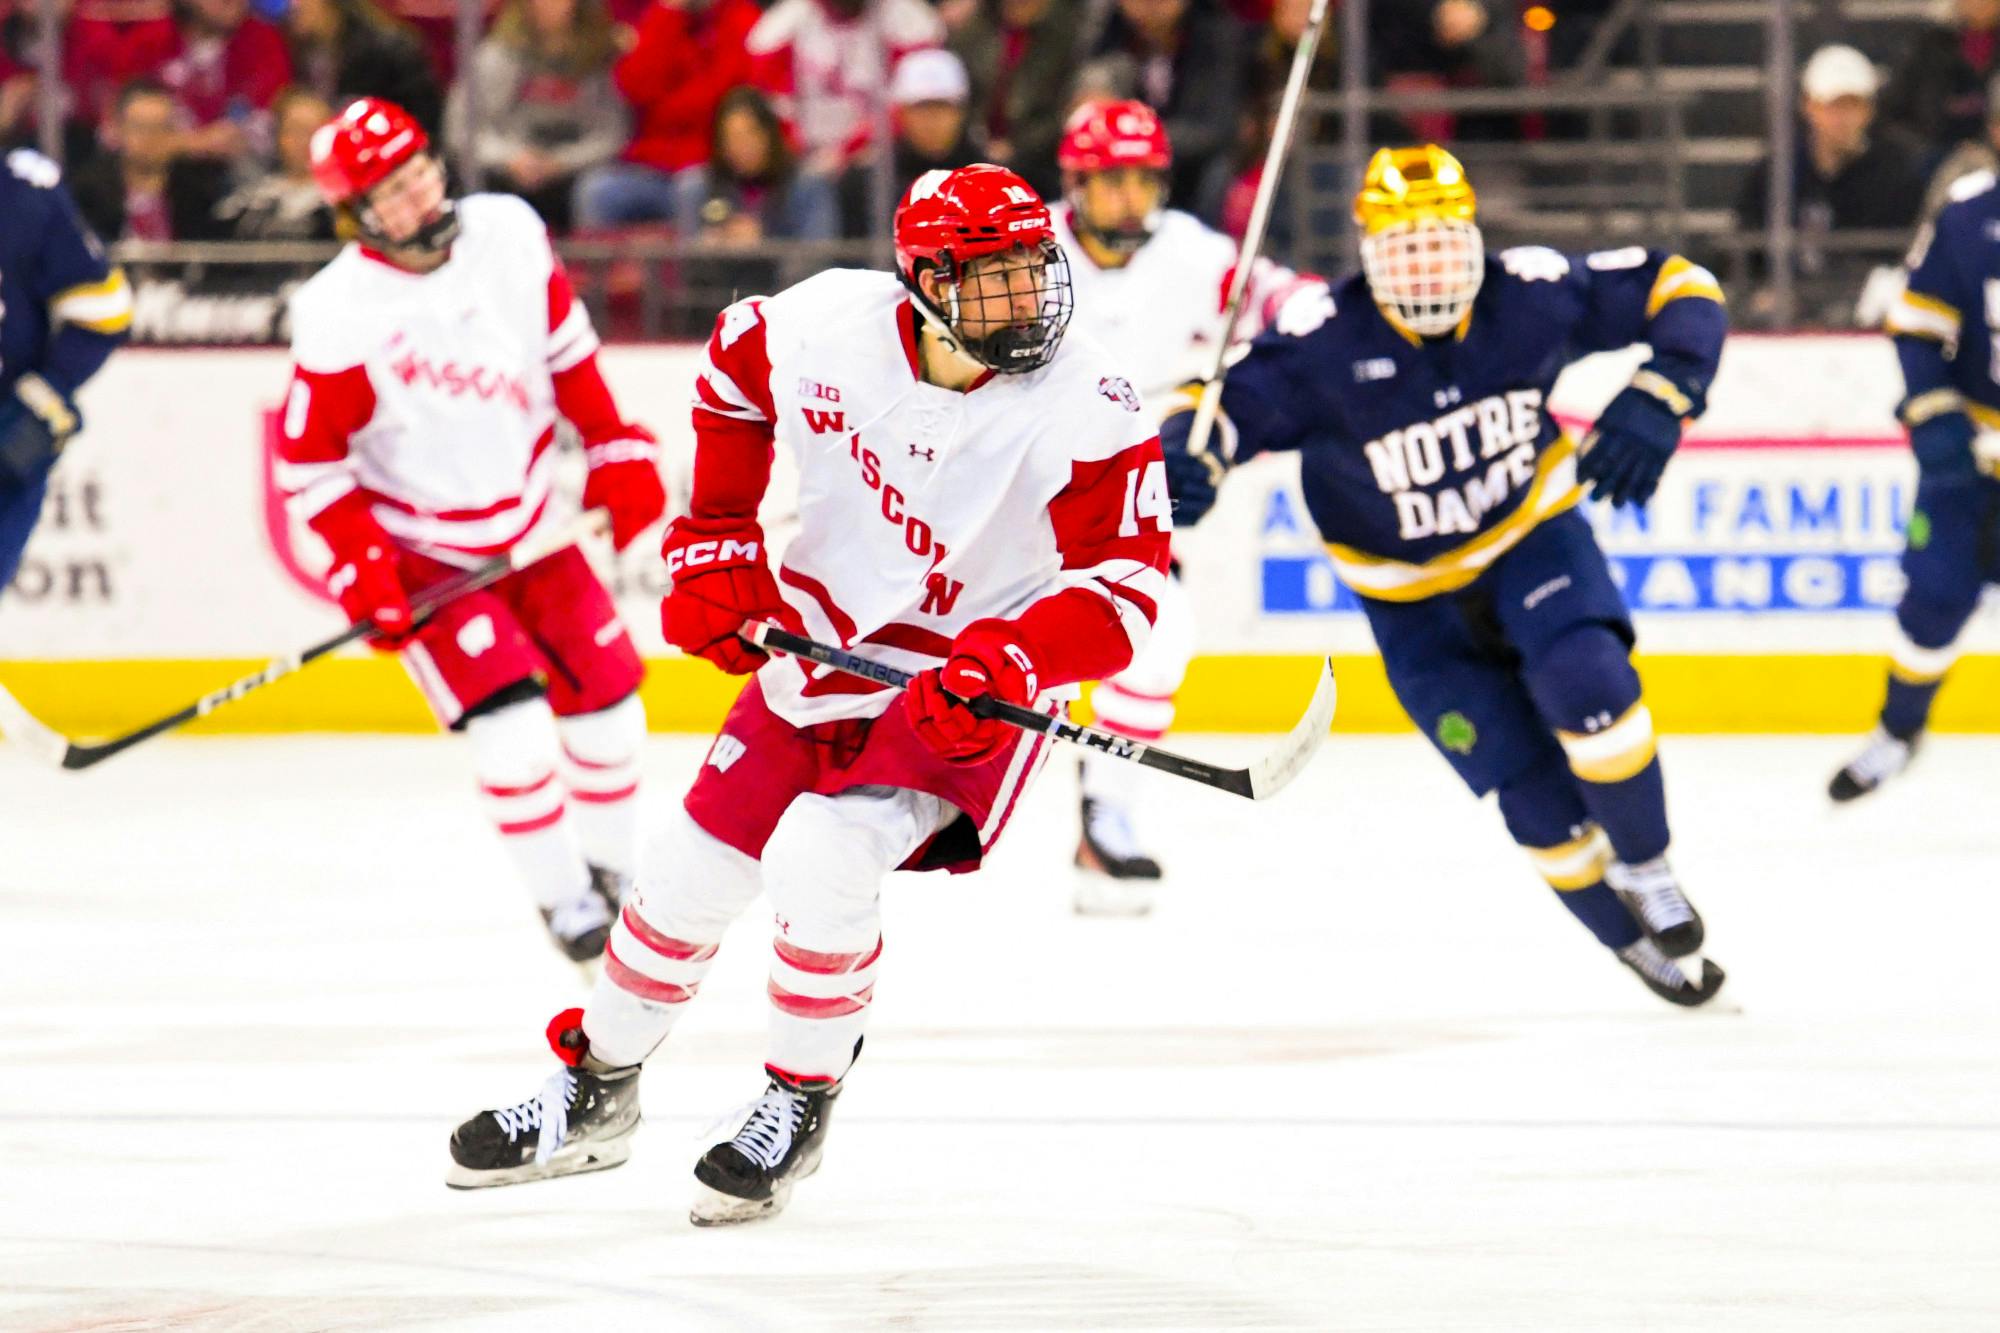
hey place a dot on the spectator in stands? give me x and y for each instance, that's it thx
(1937, 92)
(108, 44)
(435, 22)
(145, 188)
(752, 188)
(930, 92)
(1447, 44)
(1022, 56)
(825, 65)
(1970, 158)
(1183, 58)
(286, 204)
(344, 49)
(1847, 176)
(17, 76)
(542, 105)
(687, 55)
(225, 70)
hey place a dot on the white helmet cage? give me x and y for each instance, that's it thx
(1425, 274)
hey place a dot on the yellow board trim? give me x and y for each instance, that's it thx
(1807, 692)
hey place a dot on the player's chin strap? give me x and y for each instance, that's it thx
(946, 326)
(1124, 244)
(433, 236)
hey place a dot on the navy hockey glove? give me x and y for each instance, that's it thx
(1943, 446)
(1636, 433)
(35, 421)
(1192, 479)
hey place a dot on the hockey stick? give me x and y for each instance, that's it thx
(1209, 404)
(51, 747)
(1262, 779)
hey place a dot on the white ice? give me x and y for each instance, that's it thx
(1359, 1071)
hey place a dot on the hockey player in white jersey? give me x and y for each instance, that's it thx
(1152, 283)
(981, 502)
(434, 357)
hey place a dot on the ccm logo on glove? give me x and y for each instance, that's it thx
(729, 550)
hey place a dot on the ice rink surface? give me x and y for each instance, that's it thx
(1359, 1071)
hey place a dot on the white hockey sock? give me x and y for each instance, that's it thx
(1143, 717)
(824, 867)
(665, 939)
(514, 754)
(601, 765)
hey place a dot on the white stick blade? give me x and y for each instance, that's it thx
(1275, 770)
(27, 731)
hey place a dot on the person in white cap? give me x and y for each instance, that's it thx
(929, 93)
(1848, 174)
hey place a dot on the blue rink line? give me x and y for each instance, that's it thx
(1663, 582)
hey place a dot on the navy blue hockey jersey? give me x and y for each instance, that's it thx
(1424, 460)
(63, 305)
(1945, 324)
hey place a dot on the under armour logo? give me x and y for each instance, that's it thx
(928, 455)
(726, 751)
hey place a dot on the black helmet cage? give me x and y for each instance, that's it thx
(1011, 349)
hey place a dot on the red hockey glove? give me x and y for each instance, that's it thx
(363, 576)
(988, 657)
(625, 479)
(720, 580)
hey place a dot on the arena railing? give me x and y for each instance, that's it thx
(636, 286)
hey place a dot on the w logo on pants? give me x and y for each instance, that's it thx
(726, 751)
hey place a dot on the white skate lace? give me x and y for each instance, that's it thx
(580, 915)
(547, 1110)
(1659, 895)
(1646, 956)
(774, 1119)
(1111, 831)
(1885, 757)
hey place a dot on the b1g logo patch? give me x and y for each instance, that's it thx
(1120, 391)
(1456, 733)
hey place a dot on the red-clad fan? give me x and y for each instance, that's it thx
(982, 503)
(435, 358)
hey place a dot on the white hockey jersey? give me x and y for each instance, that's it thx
(437, 394)
(922, 509)
(1163, 311)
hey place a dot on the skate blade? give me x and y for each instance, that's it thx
(574, 1161)
(1097, 894)
(713, 1208)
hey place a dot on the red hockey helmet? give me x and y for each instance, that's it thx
(357, 148)
(947, 220)
(1103, 135)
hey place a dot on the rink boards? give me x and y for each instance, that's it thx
(1762, 575)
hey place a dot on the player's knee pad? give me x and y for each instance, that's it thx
(514, 744)
(608, 738)
(1585, 685)
(694, 884)
(826, 859)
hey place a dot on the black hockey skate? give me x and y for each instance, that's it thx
(1654, 896)
(582, 928)
(1117, 878)
(610, 885)
(1665, 976)
(752, 1175)
(581, 1120)
(1884, 757)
